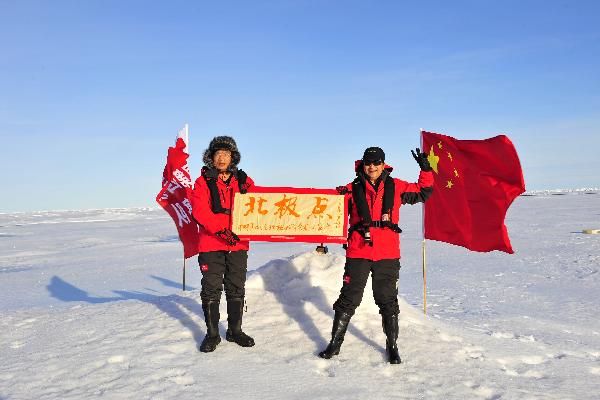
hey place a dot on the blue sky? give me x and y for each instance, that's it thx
(93, 92)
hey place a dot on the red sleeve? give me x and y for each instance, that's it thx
(425, 181)
(348, 190)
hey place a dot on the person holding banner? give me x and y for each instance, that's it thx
(374, 244)
(222, 256)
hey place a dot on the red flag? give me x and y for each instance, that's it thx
(475, 181)
(175, 197)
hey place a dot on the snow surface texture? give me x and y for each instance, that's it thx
(91, 307)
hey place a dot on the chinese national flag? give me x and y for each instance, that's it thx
(174, 197)
(475, 181)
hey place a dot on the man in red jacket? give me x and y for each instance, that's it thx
(223, 257)
(374, 243)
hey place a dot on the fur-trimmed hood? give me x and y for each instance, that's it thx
(222, 143)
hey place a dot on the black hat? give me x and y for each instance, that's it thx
(373, 154)
(222, 143)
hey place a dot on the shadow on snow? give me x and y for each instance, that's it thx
(175, 306)
(274, 274)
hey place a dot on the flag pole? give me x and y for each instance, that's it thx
(423, 252)
(424, 281)
(184, 272)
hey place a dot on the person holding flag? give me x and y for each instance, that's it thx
(374, 243)
(222, 255)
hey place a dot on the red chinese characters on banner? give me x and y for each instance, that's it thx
(174, 197)
(475, 181)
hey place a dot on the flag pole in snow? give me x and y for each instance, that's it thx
(423, 244)
(184, 272)
(424, 281)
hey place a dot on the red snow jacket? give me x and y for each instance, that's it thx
(211, 223)
(386, 242)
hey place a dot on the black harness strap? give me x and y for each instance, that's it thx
(242, 178)
(359, 197)
(389, 191)
(215, 200)
(211, 176)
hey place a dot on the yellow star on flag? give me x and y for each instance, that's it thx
(449, 184)
(433, 160)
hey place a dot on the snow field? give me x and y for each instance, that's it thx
(92, 307)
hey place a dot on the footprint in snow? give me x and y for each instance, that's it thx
(177, 348)
(484, 391)
(116, 359)
(449, 338)
(510, 335)
(182, 380)
(594, 354)
(469, 353)
(502, 335)
(519, 366)
(324, 368)
(26, 322)
(533, 360)
(557, 356)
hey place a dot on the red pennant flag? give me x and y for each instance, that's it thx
(475, 181)
(175, 195)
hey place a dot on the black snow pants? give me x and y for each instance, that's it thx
(223, 268)
(385, 274)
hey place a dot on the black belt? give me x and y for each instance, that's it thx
(375, 224)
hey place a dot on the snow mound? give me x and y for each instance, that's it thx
(313, 280)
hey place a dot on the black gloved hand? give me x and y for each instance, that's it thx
(227, 235)
(342, 189)
(421, 159)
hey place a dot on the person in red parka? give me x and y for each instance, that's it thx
(222, 255)
(374, 243)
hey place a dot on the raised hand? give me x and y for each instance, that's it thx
(421, 159)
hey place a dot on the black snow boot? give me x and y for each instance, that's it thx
(211, 317)
(235, 310)
(340, 324)
(390, 328)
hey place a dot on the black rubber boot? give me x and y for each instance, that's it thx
(211, 317)
(340, 324)
(390, 328)
(235, 311)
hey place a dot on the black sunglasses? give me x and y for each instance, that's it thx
(375, 163)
